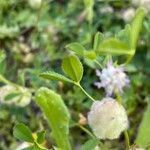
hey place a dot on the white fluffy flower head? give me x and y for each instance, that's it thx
(107, 119)
(113, 79)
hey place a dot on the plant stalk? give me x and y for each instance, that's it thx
(84, 91)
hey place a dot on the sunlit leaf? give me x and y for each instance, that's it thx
(41, 137)
(72, 67)
(54, 76)
(57, 116)
(10, 96)
(90, 54)
(143, 136)
(115, 47)
(23, 133)
(90, 144)
(136, 27)
(99, 37)
(77, 48)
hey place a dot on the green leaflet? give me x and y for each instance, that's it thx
(143, 137)
(51, 75)
(99, 37)
(114, 46)
(41, 137)
(2, 56)
(136, 26)
(72, 67)
(77, 48)
(23, 133)
(81, 51)
(57, 116)
(90, 144)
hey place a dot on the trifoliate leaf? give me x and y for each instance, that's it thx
(72, 67)
(23, 133)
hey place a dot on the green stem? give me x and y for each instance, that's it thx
(126, 135)
(119, 99)
(86, 131)
(98, 64)
(89, 133)
(84, 91)
(4, 80)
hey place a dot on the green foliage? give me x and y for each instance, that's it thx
(77, 48)
(2, 56)
(72, 67)
(89, 9)
(144, 131)
(81, 51)
(54, 76)
(90, 144)
(52, 105)
(99, 37)
(10, 96)
(113, 46)
(41, 137)
(136, 27)
(32, 40)
(23, 133)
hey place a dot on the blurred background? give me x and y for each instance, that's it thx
(33, 36)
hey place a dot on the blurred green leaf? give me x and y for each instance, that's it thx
(2, 56)
(143, 136)
(90, 144)
(54, 76)
(124, 35)
(114, 46)
(90, 54)
(57, 115)
(41, 137)
(72, 67)
(89, 9)
(99, 37)
(23, 133)
(136, 26)
(77, 48)
(10, 96)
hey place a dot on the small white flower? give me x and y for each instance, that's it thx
(112, 79)
(128, 14)
(107, 119)
(21, 99)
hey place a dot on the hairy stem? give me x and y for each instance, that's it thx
(98, 64)
(85, 91)
(126, 135)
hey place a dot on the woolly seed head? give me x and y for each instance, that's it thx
(107, 119)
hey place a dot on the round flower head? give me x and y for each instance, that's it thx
(107, 119)
(112, 79)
